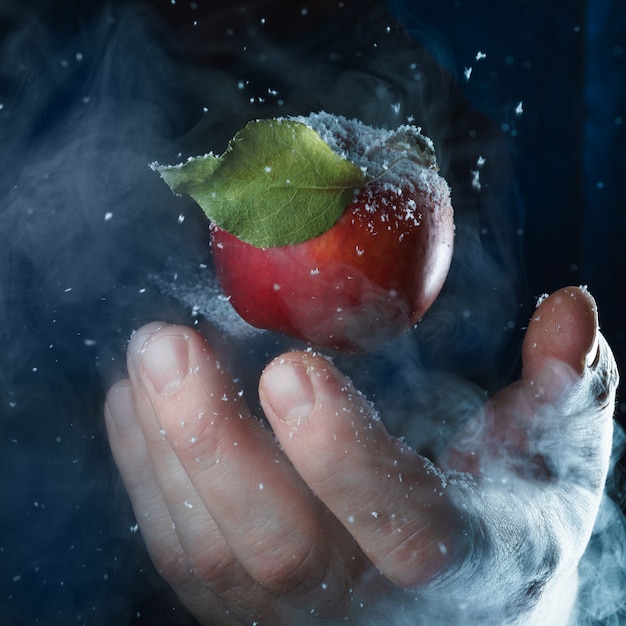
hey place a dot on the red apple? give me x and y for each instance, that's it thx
(324, 228)
(362, 283)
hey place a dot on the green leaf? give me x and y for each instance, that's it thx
(189, 177)
(278, 183)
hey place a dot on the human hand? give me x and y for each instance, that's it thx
(329, 516)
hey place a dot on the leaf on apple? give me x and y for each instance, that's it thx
(278, 183)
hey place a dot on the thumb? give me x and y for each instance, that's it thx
(557, 420)
(563, 328)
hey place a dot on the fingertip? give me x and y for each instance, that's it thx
(564, 327)
(119, 408)
(140, 336)
(292, 385)
(160, 356)
(286, 390)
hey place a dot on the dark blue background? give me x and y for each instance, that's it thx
(566, 62)
(67, 552)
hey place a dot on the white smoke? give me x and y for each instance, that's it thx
(92, 245)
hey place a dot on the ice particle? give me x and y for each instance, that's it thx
(476, 180)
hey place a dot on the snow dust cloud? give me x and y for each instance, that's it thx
(93, 245)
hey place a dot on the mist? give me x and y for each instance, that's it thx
(93, 245)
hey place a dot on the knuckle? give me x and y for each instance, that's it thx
(171, 564)
(290, 571)
(197, 436)
(414, 550)
(405, 563)
(215, 570)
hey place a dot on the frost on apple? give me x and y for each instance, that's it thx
(378, 152)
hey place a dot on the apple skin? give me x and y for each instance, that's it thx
(358, 286)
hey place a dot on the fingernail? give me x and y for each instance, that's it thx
(164, 360)
(289, 392)
(591, 358)
(120, 406)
